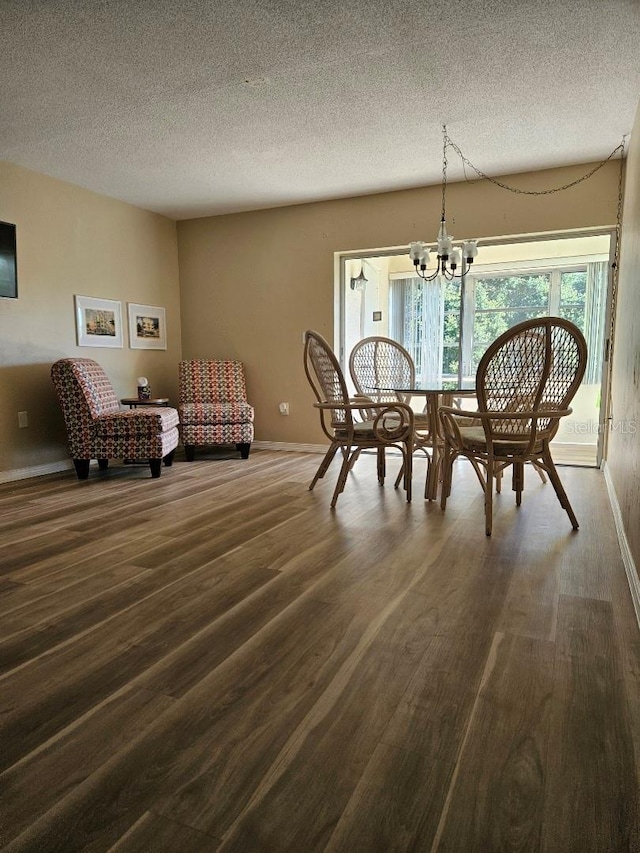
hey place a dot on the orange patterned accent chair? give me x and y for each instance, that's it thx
(97, 428)
(213, 405)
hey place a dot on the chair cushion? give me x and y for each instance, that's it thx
(139, 422)
(364, 429)
(420, 421)
(203, 434)
(473, 438)
(216, 413)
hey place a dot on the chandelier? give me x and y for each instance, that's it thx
(449, 256)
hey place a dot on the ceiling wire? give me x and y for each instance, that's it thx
(615, 273)
(467, 163)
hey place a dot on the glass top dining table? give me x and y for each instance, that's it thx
(436, 394)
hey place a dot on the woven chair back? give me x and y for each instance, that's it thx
(325, 375)
(536, 365)
(378, 363)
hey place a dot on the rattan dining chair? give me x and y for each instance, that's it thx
(352, 424)
(377, 366)
(524, 384)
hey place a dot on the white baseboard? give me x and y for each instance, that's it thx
(66, 464)
(35, 471)
(627, 557)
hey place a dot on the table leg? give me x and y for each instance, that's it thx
(431, 486)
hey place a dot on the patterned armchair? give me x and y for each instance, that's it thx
(98, 429)
(213, 405)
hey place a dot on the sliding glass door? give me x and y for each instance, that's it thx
(447, 325)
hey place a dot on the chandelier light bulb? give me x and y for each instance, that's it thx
(470, 250)
(415, 251)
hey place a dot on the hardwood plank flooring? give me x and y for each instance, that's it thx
(216, 660)
(496, 798)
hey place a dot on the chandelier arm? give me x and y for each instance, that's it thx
(442, 270)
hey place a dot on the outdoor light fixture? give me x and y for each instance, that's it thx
(359, 282)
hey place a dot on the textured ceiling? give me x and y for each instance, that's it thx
(192, 108)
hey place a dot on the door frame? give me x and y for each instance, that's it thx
(340, 265)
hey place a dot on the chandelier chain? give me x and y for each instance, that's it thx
(619, 208)
(615, 266)
(445, 141)
(481, 174)
(449, 256)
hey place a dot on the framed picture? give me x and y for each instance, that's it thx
(147, 327)
(98, 322)
(8, 261)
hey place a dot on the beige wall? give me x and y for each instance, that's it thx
(251, 283)
(624, 440)
(71, 241)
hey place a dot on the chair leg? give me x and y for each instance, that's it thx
(354, 457)
(244, 448)
(447, 469)
(435, 470)
(543, 476)
(382, 466)
(168, 459)
(190, 452)
(400, 476)
(103, 464)
(324, 465)
(342, 479)
(488, 503)
(559, 490)
(156, 467)
(518, 480)
(82, 468)
(488, 494)
(407, 465)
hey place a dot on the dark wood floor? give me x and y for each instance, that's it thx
(217, 661)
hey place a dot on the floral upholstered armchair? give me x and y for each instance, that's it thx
(98, 429)
(213, 405)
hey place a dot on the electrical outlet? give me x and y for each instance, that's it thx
(23, 420)
(283, 408)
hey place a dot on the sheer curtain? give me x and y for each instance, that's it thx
(594, 319)
(416, 322)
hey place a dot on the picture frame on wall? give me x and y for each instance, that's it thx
(8, 261)
(147, 326)
(98, 322)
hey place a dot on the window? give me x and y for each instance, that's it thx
(447, 328)
(431, 327)
(499, 302)
(573, 294)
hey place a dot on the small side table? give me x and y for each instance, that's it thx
(134, 402)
